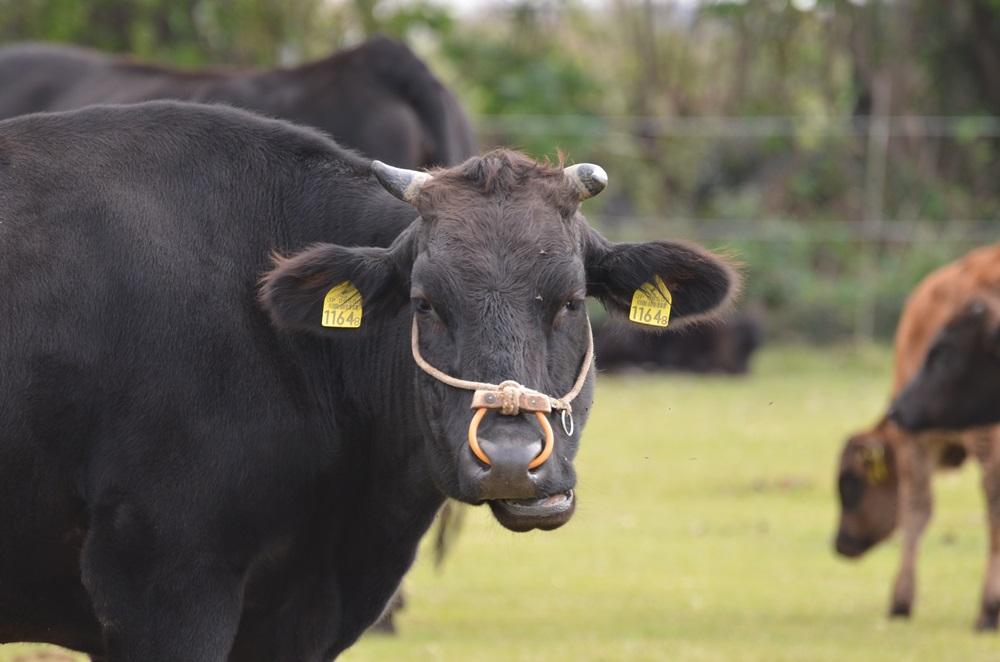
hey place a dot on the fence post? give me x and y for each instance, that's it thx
(873, 209)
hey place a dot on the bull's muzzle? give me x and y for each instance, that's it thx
(511, 399)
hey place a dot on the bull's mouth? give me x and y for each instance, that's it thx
(544, 513)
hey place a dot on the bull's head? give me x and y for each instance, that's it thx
(496, 269)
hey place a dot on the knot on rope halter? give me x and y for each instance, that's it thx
(510, 398)
(510, 394)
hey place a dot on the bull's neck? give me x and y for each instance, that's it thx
(383, 493)
(344, 205)
(365, 376)
(364, 381)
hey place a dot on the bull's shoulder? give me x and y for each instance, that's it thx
(176, 171)
(182, 170)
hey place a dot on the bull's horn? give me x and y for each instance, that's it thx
(589, 179)
(402, 183)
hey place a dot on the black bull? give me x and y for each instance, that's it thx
(191, 466)
(378, 97)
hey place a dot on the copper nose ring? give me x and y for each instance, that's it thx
(540, 459)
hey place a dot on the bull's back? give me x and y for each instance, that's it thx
(45, 77)
(38, 77)
(379, 98)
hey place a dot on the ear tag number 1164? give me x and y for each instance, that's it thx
(342, 307)
(651, 304)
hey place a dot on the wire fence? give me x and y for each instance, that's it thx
(759, 126)
(827, 261)
(775, 230)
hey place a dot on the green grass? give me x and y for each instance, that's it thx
(706, 509)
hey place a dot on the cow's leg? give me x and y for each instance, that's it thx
(915, 508)
(157, 596)
(990, 459)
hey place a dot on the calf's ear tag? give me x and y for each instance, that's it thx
(875, 467)
(651, 304)
(342, 307)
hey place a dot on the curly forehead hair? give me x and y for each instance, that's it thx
(503, 174)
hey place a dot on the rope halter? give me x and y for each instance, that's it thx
(511, 399)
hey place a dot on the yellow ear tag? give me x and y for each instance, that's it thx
(342, 307)
(651, 304)
(876, 469)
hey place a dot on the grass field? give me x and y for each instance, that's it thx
(706, 508)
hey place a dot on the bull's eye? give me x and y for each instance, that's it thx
(422, 305)
(567, 311)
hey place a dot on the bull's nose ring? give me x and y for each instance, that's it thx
(473, 439)
(550, 441)
(540, 459)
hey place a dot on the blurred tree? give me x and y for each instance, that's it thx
(402, 20)
(182, 32)
(749, 118)
(517, 62)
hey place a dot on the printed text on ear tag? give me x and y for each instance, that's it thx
(342, 307)
(651, 304)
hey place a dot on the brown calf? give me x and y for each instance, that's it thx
(885, 472)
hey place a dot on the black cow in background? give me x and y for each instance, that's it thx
(721, 346)
(378, 97)
(195, 463)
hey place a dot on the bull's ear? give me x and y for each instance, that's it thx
(326, 288)
(697, 282)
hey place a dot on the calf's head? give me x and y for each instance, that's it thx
(495, 271)
(958, 383)
(867, 482)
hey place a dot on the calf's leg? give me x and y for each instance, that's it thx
(989, 612)
(157, 598)
(915, 508)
